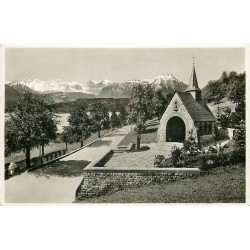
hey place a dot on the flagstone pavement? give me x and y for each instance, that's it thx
(140, 160)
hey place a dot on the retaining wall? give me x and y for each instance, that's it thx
(100, 182)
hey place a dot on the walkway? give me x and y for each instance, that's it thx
(29, 188)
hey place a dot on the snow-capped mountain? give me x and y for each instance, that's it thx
(101, 88)
(168, 84)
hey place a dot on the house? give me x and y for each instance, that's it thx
(186, 114)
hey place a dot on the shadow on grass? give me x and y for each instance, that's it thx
(62, 169)
(150, 130)
(116, 134)
(100, 143)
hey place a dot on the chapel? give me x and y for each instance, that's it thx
(186, 114)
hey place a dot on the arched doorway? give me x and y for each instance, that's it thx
(176, 130)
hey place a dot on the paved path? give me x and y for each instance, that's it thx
(29, 188)
(140, 160)
(95, 150)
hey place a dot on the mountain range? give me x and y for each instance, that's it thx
(58, 91)
(99, 89)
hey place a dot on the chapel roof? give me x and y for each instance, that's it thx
(199, 111)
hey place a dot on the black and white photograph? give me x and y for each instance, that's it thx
(88, 125)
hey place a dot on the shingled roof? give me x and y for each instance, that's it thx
(197, 110)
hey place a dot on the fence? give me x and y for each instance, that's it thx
(36, 161)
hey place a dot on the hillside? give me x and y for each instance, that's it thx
(110, 103)
(11, 96)
(223, 105)
(59, 97)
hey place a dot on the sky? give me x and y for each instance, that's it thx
(120, 64)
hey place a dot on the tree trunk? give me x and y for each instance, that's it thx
(27, 155)
(81, 139)
(138, 142)
(43, 149)
(99, 133)
(66, 146)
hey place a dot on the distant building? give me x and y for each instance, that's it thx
(186, 114)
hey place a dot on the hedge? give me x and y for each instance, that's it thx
(207, 161)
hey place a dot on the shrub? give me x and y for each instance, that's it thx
(207, 140)
(220, 159)
(221, 134)
(161, 162)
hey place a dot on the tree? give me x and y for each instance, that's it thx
(99, 118)
(122, 116)
(67, 136)
(32, 123)
(160, 103)
(114, 120)
(141, 108)
(240, 134)
(225, 118)
(217, 92)
(11, 144)
(79, 122)
(237, 96)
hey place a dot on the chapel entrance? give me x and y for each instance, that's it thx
(176, 130)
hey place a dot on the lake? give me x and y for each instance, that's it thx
(63, 119)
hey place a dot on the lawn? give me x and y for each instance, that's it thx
(219, 185)
(71, 168)
(147, 136)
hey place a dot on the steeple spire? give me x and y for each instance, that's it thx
(193, 87)
(193, 84)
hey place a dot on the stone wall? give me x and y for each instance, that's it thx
(170, 112)
(100, 182)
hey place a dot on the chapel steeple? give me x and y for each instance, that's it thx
(193, 87)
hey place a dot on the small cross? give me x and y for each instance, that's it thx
(193, 58)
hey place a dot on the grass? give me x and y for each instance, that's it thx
(149, 135)
(62, 169)
(219, 185)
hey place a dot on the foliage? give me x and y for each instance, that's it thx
(11, 144)
(122, 116)
(67, 135)
(80, 123)
(190, 146)
(240, 134)
(215, 92)
(176, 156)
(160, 104)
(161, 161)
(221, 134)
(231, 86)
(225, 118)
(114, 120)
(99, 117)
(221, 159)
(207, 140)
(32, 123)
(141, 107)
